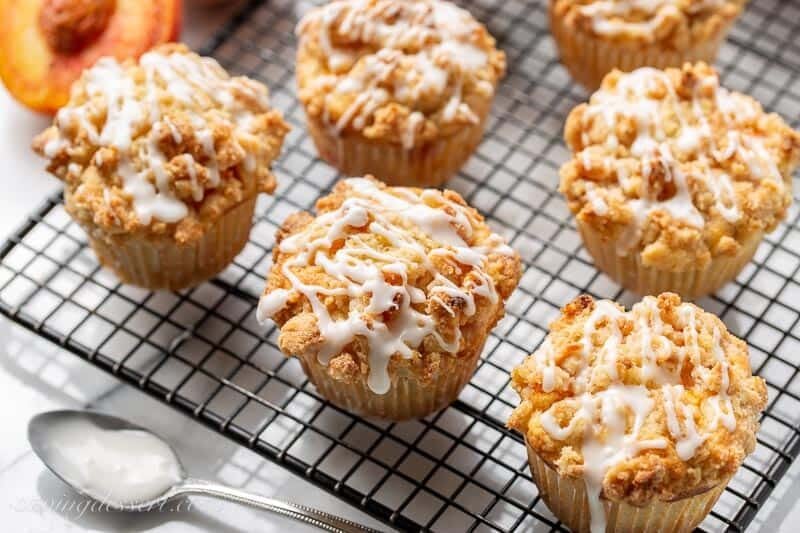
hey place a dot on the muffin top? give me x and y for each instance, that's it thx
(162, 147)
(387, 277)
(402, 71)
(654, 403)
(671, 165)
(674, 24)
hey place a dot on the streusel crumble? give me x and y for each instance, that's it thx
(388, 295)
(647, 412)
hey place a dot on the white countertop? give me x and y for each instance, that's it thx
(36, 376)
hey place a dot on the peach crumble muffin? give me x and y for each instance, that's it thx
(674, 180)
(636, 420)
(596, 36)
(388, 295)
(162, 161)
(400, 89)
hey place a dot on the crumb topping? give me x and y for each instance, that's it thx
(653, 403)
(405, 71)
(163, 146)
(672, 165)
(675, 24)
(385, 277)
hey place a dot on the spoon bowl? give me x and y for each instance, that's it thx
(99, 455)
(45, 434)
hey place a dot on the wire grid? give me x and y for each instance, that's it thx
(202, 352)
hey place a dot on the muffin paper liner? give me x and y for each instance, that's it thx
(589, 58)
(407, 398)
(628, 270)
(165, 264)
(566, 498)
(426, 165)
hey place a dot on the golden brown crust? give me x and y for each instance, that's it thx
(693, 353)
(401, 266)
(673, 24)
(718, 149)
(423, 76)
(211, 161)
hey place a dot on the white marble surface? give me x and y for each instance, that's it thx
(36, 376)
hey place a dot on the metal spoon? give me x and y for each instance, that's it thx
(42, 434)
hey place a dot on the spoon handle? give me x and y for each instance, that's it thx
(300, 513)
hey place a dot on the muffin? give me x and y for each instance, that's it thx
(636, 420)
(400, 89)
(388, 295)
(596, 36)
(162, 161)
(674, 180)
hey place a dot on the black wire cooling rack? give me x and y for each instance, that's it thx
(202, 352)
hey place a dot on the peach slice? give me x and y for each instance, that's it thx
(46, 44)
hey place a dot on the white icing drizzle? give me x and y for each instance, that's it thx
(654, 345)
(74, 169)
(688, 438)
(54, 146)
(612, 17)
(361, 270)
(608, 439)
(545, 360)
(606, 358)
(414, 121)
(595, 198)
(134, 110)
(441, 32)
(652, 146)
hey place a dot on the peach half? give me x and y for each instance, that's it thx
(46, 44)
